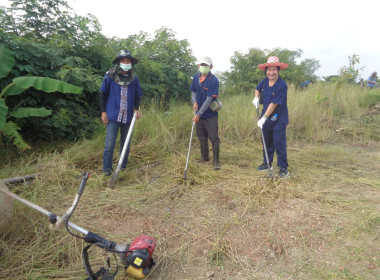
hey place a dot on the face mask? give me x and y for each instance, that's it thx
(204, 69)
(125, 67)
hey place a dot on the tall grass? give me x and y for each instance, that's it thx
(317, 114)
(314, 115)
(230, 218)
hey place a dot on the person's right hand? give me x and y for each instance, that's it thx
(196, 118)
(195, 106)
(256, 102)
(104, 118)
(261, 122)
(138, 115)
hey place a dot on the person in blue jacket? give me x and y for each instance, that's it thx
(119, 100)
(305, 84)
(371, 82)
(204, 90)
(274, 117)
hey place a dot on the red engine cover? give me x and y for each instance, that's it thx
(144, 242)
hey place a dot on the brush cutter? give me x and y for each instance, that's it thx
(136, 257)
(270, 175)
(123, 152)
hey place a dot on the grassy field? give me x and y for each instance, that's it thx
(323, 222)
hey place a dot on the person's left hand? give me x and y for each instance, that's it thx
(196, 118)
(261, 122)
(138, 115)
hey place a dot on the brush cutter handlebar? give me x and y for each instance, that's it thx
(137, 256)
(56, 223)
(106, 244)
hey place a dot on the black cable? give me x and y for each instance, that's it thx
(73, 234)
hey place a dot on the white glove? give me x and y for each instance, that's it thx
(256, 102)
(261, 122)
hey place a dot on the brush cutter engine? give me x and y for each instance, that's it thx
(138, 260)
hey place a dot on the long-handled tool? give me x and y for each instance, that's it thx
(264, 146)
(188, 152)
(123, 152)
(136, 257)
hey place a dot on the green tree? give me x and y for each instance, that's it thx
(244, 74)
(70, 48)
(9, 128)
(349, 74)
(296, 73)
(307, 69)
(166, 49)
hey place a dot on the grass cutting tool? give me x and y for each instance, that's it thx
(188, 151)
(123, 152)
(136, 257)
(270, 175)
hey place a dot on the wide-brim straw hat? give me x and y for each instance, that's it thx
(273, 61)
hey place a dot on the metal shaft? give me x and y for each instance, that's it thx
(188, 152)
(40, 209)
(123, 152)
(264, 146)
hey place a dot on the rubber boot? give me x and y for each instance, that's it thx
(215, 151)
(204, 152)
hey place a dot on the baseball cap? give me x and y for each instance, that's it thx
(205, 60)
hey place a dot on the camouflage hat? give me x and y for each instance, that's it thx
(123, 54)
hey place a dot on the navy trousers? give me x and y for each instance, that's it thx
(275, 140)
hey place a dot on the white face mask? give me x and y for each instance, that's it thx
(125, 67)
(204, 69)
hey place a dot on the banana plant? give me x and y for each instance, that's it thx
(8, 128)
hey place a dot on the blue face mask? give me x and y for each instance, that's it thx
(125, 67)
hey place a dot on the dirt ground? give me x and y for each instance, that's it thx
(322, 222)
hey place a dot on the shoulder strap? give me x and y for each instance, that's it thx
(102, 272)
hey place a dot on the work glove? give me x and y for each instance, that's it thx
(261, 122)
(256, 102)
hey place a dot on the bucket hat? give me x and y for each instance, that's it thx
(273, 61)
(123, 54)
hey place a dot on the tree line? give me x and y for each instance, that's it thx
(47, 39)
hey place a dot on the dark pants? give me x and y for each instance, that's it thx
(111, 134)
(208, 129)
(275, 141)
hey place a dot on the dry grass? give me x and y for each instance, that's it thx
(321, 223)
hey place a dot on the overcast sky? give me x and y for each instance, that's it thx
(327, 30)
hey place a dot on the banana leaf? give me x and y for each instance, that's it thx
(30, 112)
(3, 112)
(7, 61)
(41, 83)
